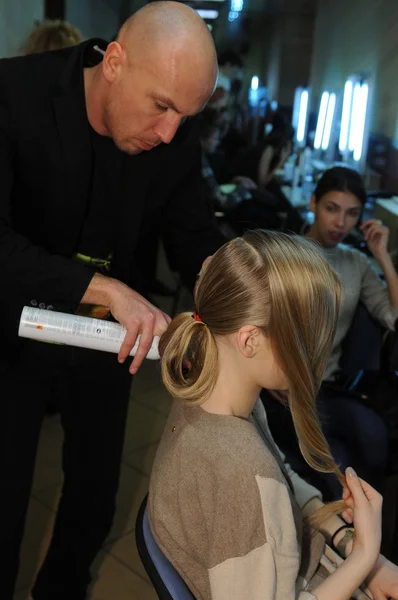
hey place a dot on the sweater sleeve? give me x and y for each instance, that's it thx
(374, 295)
(255, 554)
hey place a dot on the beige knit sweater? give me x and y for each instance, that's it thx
(222, 509)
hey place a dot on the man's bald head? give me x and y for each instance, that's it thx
(164, 23)
(175, 35)
(161, 68)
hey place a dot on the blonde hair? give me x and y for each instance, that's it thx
(284, 286)
(51, 35)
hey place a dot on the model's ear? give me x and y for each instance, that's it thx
(249, 339)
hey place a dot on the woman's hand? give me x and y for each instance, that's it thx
(383, 580)
(376, 237)
(363, 507)
(248, 183)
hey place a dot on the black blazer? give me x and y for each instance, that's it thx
(45, 186)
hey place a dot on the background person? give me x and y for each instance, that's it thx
(357, 435)
(51, 35)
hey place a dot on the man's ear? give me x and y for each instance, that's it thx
(249, 339)
(115, 57)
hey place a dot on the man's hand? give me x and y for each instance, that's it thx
(132, 311)
(139, 317)
(383, 580)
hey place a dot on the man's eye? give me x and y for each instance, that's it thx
(160, 107)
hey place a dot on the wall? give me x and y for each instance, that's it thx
(359, 36)
(290, 43)
(17, 18)
(95, 18)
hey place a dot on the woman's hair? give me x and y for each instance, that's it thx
(341, 179)
(51, 35)
(282, 285)
(278, 140)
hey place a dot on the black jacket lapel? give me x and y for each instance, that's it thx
(73, 134)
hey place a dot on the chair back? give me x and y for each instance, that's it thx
(362, 344)
(165, 579)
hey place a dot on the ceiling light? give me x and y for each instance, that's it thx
(254, 83)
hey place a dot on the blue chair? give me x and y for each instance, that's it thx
(165, 579)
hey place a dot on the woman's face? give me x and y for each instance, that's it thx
(336, 214)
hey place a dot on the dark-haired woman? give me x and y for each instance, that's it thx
(356, 433)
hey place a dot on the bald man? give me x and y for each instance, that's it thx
(98, 147)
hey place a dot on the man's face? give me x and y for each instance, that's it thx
(147, 103)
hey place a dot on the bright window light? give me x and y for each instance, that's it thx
(207, 14)
(254, 83)
(362, 106)
(329, 122)
(321, 120)
(302, 121)
(354, 125)
(345, 119)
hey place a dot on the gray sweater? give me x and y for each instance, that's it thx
(360, 283)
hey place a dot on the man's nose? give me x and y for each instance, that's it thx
(167, 127)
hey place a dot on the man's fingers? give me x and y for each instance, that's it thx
(128, 343)
(143, 348)
(168, 318)
(161, 324)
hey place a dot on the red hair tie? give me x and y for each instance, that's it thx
(197, 317)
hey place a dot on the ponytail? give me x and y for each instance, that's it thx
(189, 360)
